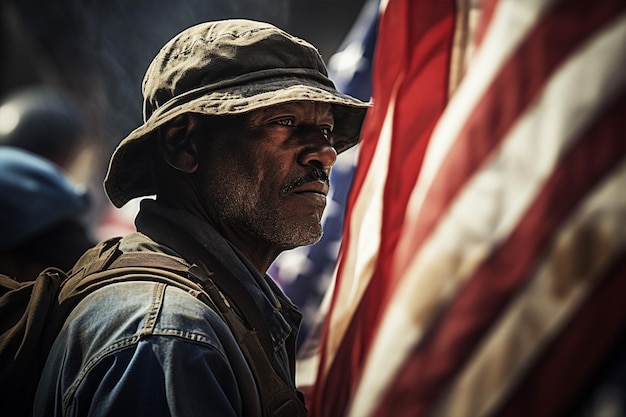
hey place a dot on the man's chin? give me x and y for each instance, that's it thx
(301, 237)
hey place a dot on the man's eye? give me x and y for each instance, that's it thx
(286, 122)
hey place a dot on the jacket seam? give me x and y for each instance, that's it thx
(153, 311)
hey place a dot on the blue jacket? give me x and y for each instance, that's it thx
(148, 349)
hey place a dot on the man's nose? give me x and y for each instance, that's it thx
(320, 151)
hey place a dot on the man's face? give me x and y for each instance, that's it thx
(266, 176)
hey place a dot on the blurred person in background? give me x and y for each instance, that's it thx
(42, 211)
(41, 215)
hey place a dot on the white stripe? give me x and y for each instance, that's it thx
(383, 5)
(491, 204)
(596, 234)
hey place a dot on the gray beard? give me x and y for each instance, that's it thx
(241, 208)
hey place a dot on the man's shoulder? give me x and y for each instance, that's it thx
(135, 327)
(146, 308)
(133, 276)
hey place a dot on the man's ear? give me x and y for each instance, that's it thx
(177, 146)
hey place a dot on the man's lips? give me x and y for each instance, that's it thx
(315, 187)
(316, 182)
(311, 191)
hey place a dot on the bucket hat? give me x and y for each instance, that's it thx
(221, 68)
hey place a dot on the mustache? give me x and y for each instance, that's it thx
(316, 174)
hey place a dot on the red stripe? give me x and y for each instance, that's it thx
(561, 377)
(414, 45)
(433, 364)
(486, 16)
(420, 102)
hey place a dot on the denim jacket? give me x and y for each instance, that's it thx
(149, 349)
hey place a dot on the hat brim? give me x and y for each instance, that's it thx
(129, 174)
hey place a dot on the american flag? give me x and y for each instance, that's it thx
(482, 271)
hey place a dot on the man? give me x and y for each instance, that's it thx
(241, 129)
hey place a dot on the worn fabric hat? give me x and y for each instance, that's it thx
(224, 68)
